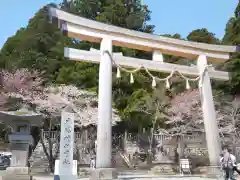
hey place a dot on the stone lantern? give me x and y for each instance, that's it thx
(20, 139)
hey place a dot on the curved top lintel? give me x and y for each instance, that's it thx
(70, 18)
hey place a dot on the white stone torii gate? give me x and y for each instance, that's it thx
(107, 35)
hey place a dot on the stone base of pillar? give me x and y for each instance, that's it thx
(103, 174)
(64, 177)
(17, 173)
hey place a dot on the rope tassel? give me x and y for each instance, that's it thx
(200, 78)
(187, 84)
(154, 84)
(167, 84)
(118, 73)
(131, 79)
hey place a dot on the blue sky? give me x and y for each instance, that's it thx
(169, 16)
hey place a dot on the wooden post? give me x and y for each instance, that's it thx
(209, 114)
(157, 56)
(104, 126)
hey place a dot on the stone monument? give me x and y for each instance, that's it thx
(20, 139)
(65, 168)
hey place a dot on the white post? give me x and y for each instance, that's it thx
(209, 113)
(104, 126)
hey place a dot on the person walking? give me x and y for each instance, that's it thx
(228, 161)
(235, 168)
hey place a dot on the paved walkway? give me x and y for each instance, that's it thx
(137, 177)
(186, 178)
(144, 178)
(165, 177)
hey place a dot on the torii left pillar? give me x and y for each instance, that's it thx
(104, 126)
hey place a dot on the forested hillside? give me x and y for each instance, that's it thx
(40, 45)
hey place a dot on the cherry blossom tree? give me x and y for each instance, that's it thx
(228, 116)
(51, 100)
(19, 83)
(185, 112)
(186, 115)
(55, 98)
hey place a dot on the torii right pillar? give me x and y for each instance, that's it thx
(209, 113)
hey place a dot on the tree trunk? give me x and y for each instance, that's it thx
(180, 147)
(49, 152)
(35, 132)
(151, 142)
(44, 147)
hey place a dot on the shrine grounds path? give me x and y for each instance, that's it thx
(160, 178)
(183, 178)
(47, 177)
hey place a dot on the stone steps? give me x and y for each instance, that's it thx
(38, 160)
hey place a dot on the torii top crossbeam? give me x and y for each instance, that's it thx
(93, 31)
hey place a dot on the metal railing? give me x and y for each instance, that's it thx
(130, 137)
(168, 137)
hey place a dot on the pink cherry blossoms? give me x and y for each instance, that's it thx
(187, 116)
(51, 100)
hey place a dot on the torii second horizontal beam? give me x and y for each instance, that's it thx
(94, 57)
